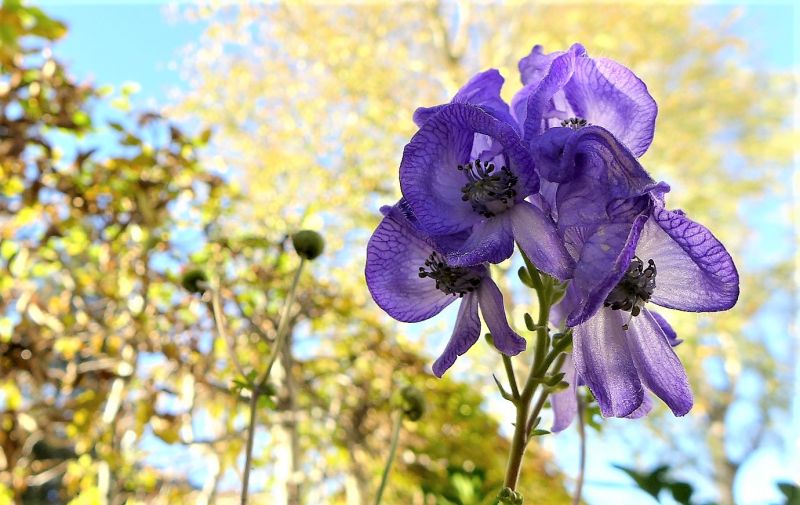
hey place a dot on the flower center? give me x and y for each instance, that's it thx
(450, 280)
(575, 123)
(489, 192)
(635, 288)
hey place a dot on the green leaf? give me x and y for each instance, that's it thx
(682, 492)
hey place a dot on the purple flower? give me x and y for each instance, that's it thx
(621, 347)
(467, 171)
(570, 89)
(565, 403)
(412, 280)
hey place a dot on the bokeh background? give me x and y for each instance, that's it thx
(144, 146)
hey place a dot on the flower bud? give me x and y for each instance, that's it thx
(194, 281)
(413, 403)
(308, 244)
(507, 496)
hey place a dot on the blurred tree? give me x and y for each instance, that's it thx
(312, 105)
(115, 244)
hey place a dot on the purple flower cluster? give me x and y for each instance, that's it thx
(556, 172)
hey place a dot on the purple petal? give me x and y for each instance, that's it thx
(465, 334)
(423, 114)
(540, 105)
(604, 362)
(483, 90)
(519, 103)
(537, 236)
(659, 368)
(600, 91)
(394, 254)
(533, 68)
(595, 153)
(494, 314)
(695, 272)
(607, 94)
(586, 202)
(671, 334)
(559, 311)
(491, 240)
(604, 259)
(430, 179)
(643, 410)
(565, 403)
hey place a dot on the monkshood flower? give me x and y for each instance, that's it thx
(466, 171)
(570, 89)
(410, 279)
(623, 348)
(597, 192)
(565, 403)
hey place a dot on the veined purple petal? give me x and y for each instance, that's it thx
(537, 236)
(565, 403)
(695, 272)
(604, 259)
(670, 333)
(659, 368)
(465, 334)
(394, 254)
(591, 152)
(607, 94)
(505, 339)
(482, 90)
(586, 202)
(429, 175)
(491, 240)
(604, 362)
(423, 114)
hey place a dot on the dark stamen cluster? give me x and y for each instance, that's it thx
(574, 122)
(450, 280)
(635, 288)
(489, 192)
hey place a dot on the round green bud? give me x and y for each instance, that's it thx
(413, 403)
(308, 244)
(507, 496)
(194, 281)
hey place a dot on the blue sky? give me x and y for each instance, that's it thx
(115, 42)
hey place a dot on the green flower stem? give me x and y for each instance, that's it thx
(537, 408)
(521, 431)
(398, 423)
(542, 334)
(544, 360)
(512, 379)
(556, 352)
(258, 387)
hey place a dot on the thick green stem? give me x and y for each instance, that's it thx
(258, 387)
(392, 450)
(519, 440)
